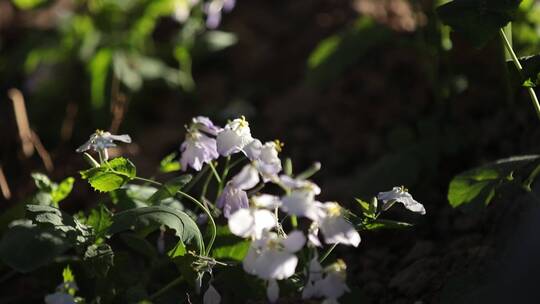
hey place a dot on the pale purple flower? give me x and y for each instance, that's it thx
(214, 10)
(59, 298)
(234, 195)
(100, 141)
(204, 124)
(197, 149)
(265, 158)
(232, 199)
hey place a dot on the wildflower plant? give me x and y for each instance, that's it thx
(242, 209)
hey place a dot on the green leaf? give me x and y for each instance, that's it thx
(228, 246)
(98, 68)
(98, 259)
(111, 175)
(478, 21)
(67, 275)
(151, 218)
(100, 219)
(178, 250)
(368, 209)
(62, 190)
(53, 217)
(169, 189)
(480, 184)
(27, 247)
(168, 164)
(28, 4)
(384, 224)
(42, 181)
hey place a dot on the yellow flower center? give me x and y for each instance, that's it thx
(279, 145)
(333, 210)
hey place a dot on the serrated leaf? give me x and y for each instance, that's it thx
(53, 217)
(28, 247)
(169, 189)
(98, 259)
(151, 218)
(478, 20)
(111, 175)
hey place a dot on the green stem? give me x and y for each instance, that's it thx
(205, 185)
(210, 218)
(224, 175)
(328, 252)
(148, 181)
(515, 59)
(216, 175)
(166, 288)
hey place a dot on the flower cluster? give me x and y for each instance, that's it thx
(272, 253)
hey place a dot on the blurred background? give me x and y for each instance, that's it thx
(378, 91)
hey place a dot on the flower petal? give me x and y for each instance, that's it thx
(294, 241)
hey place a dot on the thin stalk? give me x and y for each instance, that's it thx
(224, 175)
(328, 252)
(515, 59)
(205, 185)
(216, 175)
(210, 218)
(146, 180)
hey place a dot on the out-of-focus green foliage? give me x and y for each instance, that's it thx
(114, 43)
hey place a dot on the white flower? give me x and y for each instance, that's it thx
(272, 257)
(234, 137)
(251, 222)
(334, 227)
(330, 286)
(272, 291)
(400, 195)
(266, 201)
(197, 149)
(100, 141)
(333, 285)
(211, 296)
(301, 203)
(59, 298)
(299, 184)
